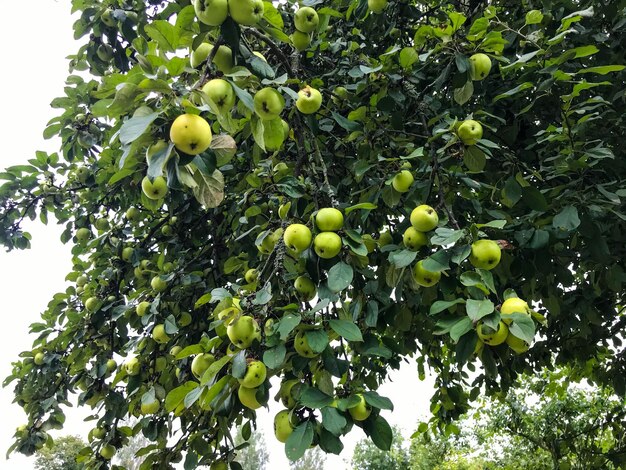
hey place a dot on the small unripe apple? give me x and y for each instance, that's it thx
(111, 365)
(490, 336)
(243, 331)
(305, 287)
(360, 411)
(301, 41)
(309, 100)
(107, 452)
(39, 358)
(485, 254)
(82, 280)
(282, 426)
(142, 308)
(414, 239)
(151, 407)
(156, 189)
(83, 234)
(255, 375)
(251, 276)
(92, 304)
(132, 213)
(268, 103)
(376, 6)
(221, 93)
(306, 19)
(201, 363)
(127, 253)
(158, 284)
(159, 334)
(102, 224)
(423, 277)
(298, 237)
(480, 66)
(132, 366)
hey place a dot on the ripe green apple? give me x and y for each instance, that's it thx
(98, 433)
(158, 284)
(376, 6)
(513, 305)
(360, 411)
(305, 288)
(424, 218)
(142, 308)
(175, 350)
(470, 132)
(159, 334)
(306, 19)
(107, 18)
(485, 254)
(92, 304)
(82, 280)
(185, 319)
(247, 397)
(83, 234)
(102, 224)
(191, 134)
(255, 375)
(246, 12)
(301, 41)
(221, 93)
(107, 452)
(414, 239)
(39, 358)
(132, 366)
(201, 363)
(329, 219)
(490, 336)
(327, 244)
(167, 230)
(268, 103)
(301, 345)
(223, 58)
(251, 276)
(519, 346)
(228, 314)
(156, 189)
(423, 277)
(132, 213)
(211, 12)
(151, 407)
(286, 393)
(111, 365)
(309, 99)
(385, 238)
(127, 253)
(297, 237)
(402, 181)
(282, 426)
(480, 66)
(243, 331)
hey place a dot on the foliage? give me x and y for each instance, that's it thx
(127, 455)
(255, 455)
(61, 455)
(369, 457)
(313, 459)
(545, 181)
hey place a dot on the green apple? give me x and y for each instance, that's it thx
(185, 319)
(191, 134)
(305, 288)
(223, 58)
(306, 19)
(360, 411)
(309, 100)
(302, 347)
(339, 94)
(107, 452)
(150, 407)
(98, 433)
(111, 365)
(132, 366)
(376, 6)
(268, 103)
(327, 245)
(490, 336)
(142, 308)
(423, 277)
(402, 181)
(159, 334)
(167, 230)
(282, 425)
(329, 219)
(82, 280)
(107, 18)
(470, 132)
(175, 350)
(211, 12)
(132, 213)
(255, 375)
(385, 238)
(519, 346)
(92, 304)
(201, 363)
(221, 93)
(228, 314)
(414, 239)
(221, 465)
(243, 331)
(39, 358)
(480, 66)
(424, 218)
(301, 41)
(246, 12)
(102, 224)
(127, 253)
(286, 393)
(158, 284)
(485, 254)
(104, 52)
(297, 237)
(247, 397)
(156, 189)
(83, 234)
(513, 305)
(251, 276)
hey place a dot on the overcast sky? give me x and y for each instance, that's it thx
(33, 55)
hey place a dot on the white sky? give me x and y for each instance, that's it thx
(34, 70)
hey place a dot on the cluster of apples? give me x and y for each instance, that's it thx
(215, 12)
(306, 21)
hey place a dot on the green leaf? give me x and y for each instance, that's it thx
(603, 69)
(463, 94)
(345, 123)
(462, 326)
(446, 236)
(317, 339)
(403, 258)
(314, 398)
(299, 440)
(438, 261)
(362, 205)
(533, 198)
(477, 309)
(513, 91)
(408, 56)
(176, 396)
(210, 188)
(346, 329)
(441, 305)
(340, 276)
(164, 33)
(135, 127)
(375, 400)
(379, 431)
(274, 357)
(522, 326)
(333, 421)
(263, 296)
(214, 369)
(567, 220)
(193, 396)
(512, 192)
(474, 158)
(287, 324)
(534, 17)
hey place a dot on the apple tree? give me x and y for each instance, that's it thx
(313, 194)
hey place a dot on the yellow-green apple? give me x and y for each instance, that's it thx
(302, 347)
(83, 234)
(243, 331)
(385, 238)
(107, 18)
(424, 218)
(329, 219)
(246, 12)
(485, 254)
(402, 181)
(39, 358)
(82, 280)
(255, 375)
(132, 213)
(306, 19)
(191, 134)
(423, 277)
(360, 411)
(221, 465)
(107, 452)
(92, 304)
(156, 189)
(201, 363)
(286, 394)
(159, 334)
(247, 397)
(132, 366)
(158, 284)
(519, 346)
(268, 103)
(142, 308)
(221, 93)
(301, 41)
(470, 132)
(111, 365)
(211, 12)
(150, 407)
(223, 58)
(513, 305)
(490, 336)
(127, 253)
(282, 426)
(327, 244)
(309, 100)
(480, 66)
(297, 237)
(414, 239)
(102, 224)
(376, 6)
(305, 288)
(251, 276)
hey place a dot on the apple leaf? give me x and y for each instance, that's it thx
(224, 147)
(567, 220)
(214, 369)
(333, 421)
(465, 347)
(314, 398)
(299, 440)
(462, 326)
(190, 351)
(464, 94)
(441, 305)
(193, 396)
(318, 340)
(135, 127)
(176, 396)
(408, 56)
(377, 401)
(274, 357)
(239, 367)
(379, 431)
(446, 236)
(362, 205)
(158, 160)
(438, 261)
(522, 326)
(244, 96)
(403, 258)
(474, 159)
(346, 329)
(534, 17)
(477, 309)
(287, 324)
(340, 276)
(210, 189)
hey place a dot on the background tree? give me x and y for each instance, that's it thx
(313, 459)
(469, 156)
(255, 456)
(61, 455)
(369, 457)
(127, 455)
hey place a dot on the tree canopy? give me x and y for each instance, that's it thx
(316, 192)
